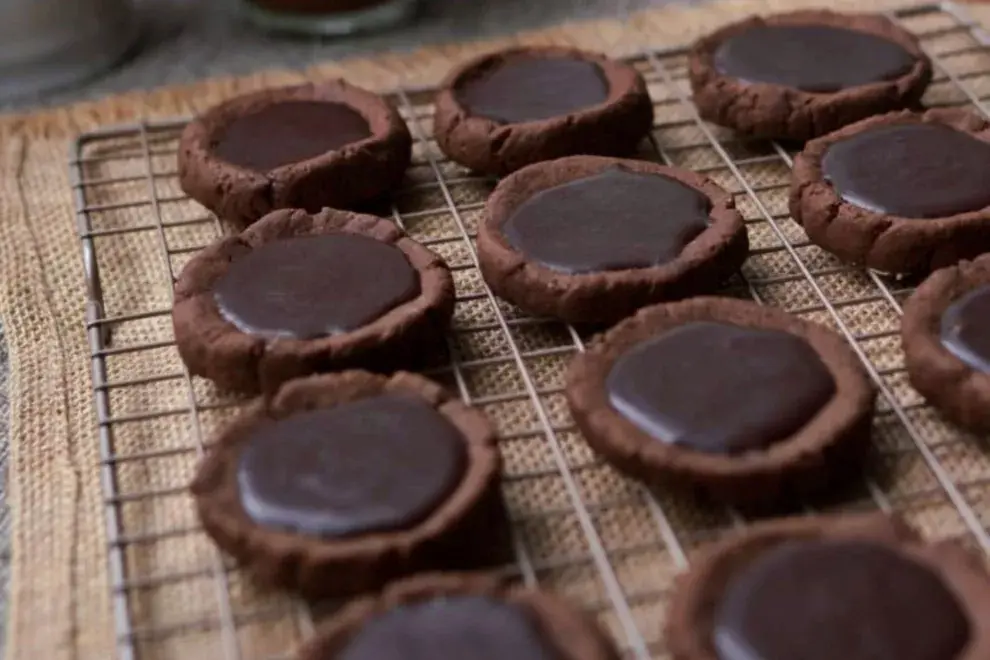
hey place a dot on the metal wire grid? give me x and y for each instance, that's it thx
(581, 529)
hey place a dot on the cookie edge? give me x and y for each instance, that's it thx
(612, 128)
(958, 391)
(571, 632)
(887, 243)
(807, 461)
(472, 516)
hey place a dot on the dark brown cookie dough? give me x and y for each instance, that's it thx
(340, 483)
(900, 193)
(944, 332)
(764, 76)
(327, 144)
(503, 111)
(450, 615)
(591, 239)
(745, 403)
(297, 294)
(823, 587)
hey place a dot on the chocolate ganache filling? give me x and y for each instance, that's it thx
(313, 286)
(522, 89)
(463, 627)
(812, 58)
(966, 328)
(613, 220)
(911, 170)
(372, 465)
(720, 388)
(817, 600)
(289, 132)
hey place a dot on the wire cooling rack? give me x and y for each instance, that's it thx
(580, 529)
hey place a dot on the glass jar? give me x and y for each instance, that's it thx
(49, 44)
(328, 17)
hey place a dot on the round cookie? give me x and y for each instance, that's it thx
(459, 616)
(802, 74)
(311, 146)
(944, 333)
(591, 240)
(856, 587)
(503, 111)
(296, 294)
(900, 193)
(742, 402)
(340, 483)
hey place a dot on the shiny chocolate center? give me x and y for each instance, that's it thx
(524, 89)
(462, 627)
(720, 388)
(812, 58)
(818, 600)
(376, 464)
(966, 328)
(911, 171)
(314, 286)
(612, 220)
(289, 132)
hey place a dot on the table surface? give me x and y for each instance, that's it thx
(185, 40)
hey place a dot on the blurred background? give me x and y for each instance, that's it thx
(182, 40)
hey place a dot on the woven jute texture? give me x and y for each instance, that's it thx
(616, 557)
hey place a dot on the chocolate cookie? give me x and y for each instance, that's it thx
(802, 74)
(900, 193)
(857, 587)
(503, 111)
(590, 239)
(339, 483)
(945, 332)
(467, 617)
(743, 402)
(297, 294)
(311, 146)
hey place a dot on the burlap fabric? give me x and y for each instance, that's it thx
(61, 599)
